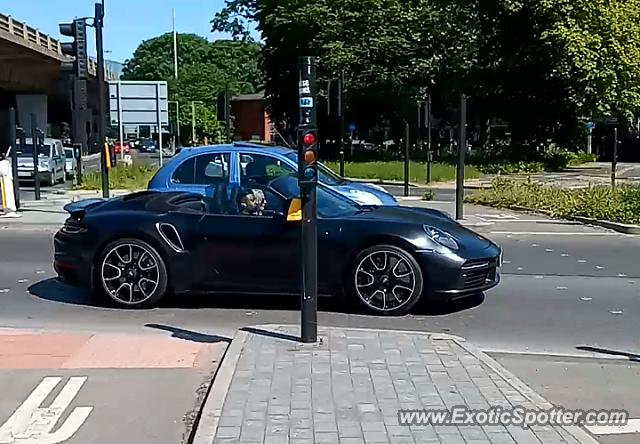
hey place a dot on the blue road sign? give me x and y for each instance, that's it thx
(352, 127)
(306, 102)
(590, 126)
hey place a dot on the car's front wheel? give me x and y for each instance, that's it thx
(132, 274)
(387, 280)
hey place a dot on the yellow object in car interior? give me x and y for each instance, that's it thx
(295, 211)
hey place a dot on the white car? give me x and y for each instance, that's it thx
(51, 161)
(71, 163)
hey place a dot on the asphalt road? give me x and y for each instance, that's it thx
(564, 318)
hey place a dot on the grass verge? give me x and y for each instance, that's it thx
(620, 205)
(394, 170)
(121, 177)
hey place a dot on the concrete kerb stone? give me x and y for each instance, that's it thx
(212, 409)
(582, 436)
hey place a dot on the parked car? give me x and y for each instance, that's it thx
(137, 248)
(71, 163)
(118, 148)
(51, 161)
(241, 163)
(148, 146)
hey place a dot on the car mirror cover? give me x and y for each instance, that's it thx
(294, 213)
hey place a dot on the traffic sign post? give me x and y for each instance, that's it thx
(590, 126)
(308, 180)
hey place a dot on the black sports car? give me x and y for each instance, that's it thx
(137, 248)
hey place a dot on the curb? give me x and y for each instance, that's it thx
(210, 416)
(577, 432)
(615, 226)
(207, 426)
(433, 185)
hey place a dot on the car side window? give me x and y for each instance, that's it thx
(261, 169)
(185, 172)
(212, 169)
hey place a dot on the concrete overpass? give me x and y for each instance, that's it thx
(31, 79)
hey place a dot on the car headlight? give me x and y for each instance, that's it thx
(441, 237)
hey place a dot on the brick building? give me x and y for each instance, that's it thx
(251, 120)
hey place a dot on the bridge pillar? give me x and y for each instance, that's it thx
(29, 104)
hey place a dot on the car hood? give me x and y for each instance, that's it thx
(365, 194)
(469, 240)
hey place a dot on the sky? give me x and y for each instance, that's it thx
(127, 22)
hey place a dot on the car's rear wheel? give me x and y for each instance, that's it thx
(387, 280)
(132, 274)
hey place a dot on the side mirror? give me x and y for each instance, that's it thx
(294, 213)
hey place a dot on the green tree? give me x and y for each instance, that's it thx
(540, 65)
(204, 69)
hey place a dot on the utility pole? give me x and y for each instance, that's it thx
(227, 114)
(429, 152)
(308, 181)
(406, 159)
(614, 159)
(102, 109)
(35, 143)
(175, 45)
(462, 148)
(13, 137)
(193, 122)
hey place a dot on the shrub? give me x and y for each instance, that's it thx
(616, 205)
(121, 177)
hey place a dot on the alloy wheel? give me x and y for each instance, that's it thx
(385, 280)
(130, 273)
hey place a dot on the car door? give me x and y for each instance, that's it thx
(250, 253)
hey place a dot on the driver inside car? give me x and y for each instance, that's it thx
(253, 202)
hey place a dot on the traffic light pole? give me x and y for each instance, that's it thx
(102, 109)
(308, 177)
(13, 137)
(462, 149)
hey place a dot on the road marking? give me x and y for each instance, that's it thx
(32, 424)
(557, 233)
(509, 217)
(632, 426)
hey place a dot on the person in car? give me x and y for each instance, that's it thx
(253, 202)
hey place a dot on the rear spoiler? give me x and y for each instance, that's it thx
(77, 209)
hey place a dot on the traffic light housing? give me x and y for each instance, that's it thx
(76, 49)
(308, 172)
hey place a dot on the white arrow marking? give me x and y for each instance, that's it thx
(32, 424)
(632, 426)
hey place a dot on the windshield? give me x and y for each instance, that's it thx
(26, 150)
(330, 204)
(325, 174)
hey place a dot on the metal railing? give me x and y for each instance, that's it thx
(32, 36)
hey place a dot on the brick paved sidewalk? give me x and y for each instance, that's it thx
(348, 389)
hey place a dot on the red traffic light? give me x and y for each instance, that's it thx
(309, 139)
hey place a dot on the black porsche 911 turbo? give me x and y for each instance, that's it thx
(137, 248)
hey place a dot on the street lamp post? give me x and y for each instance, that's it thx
(193, 119)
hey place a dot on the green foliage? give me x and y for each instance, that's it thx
(538, 64)
(121, 177)
(617, 205)
(204, 69)
(394, 171)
